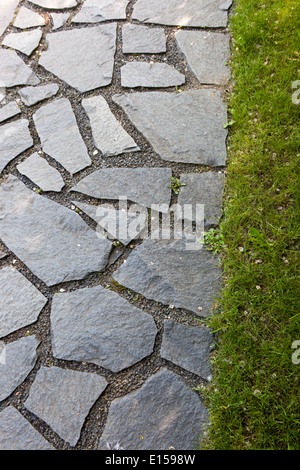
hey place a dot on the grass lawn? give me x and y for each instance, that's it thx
(254, 397)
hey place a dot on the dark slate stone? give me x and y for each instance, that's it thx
(184, 127)
(98, 326)
(164, 413)
(188, 346)
(19, 359)
(63, 399)
(16, 433)
(168, 272)
(53, 241)
(15, 138)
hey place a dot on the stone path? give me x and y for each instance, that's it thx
(112, 125)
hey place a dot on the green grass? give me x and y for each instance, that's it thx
(254, 397)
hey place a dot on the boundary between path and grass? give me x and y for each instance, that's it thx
(253, 399)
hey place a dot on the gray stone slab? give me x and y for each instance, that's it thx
(168, 272)
(181, 12)
(207, 54)
(95, 11)
(20, 302)
(59, 19)
(16, 433)
(203, 188)
(6, 14)
(25, 42)
(122, 225)
(97, 325)
(109, 136)
(31, 95)
(19, 359)
(53, 241)
(27, 19)
(83, 58)
(41, 173)
(13, 71)
(188, 346)
(55, 4)
(63, 399)
(152, 75)
(142, 39)
(9, 110)
(164, 413)
(60, 138)
(15, 138)
(144, 186)
(185, 127)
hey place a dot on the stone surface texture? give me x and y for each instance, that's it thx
(176, 422)
(142, 39)
(144, 74)
(20, 302)
(13, 71)
(16, 433)
(20, 358)
(55, 4)
(113, 183)
(83, 58)
(53, 241)
(207, 54)
(15, 138)
(95, 11)
(59, 19)
(9, 110)
(63, 398)
(165, 271)
(108, 134)
(97, 325)
(27, 19)
(32, 95)
(182, 127)
(181, 12)
(6, 14)
(188, 347)
(41, 173)
(60, 138)
(24, 42)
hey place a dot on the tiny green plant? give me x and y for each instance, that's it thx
(175, 184)
(214, 240)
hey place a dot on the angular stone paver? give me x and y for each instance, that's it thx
(16, 433)
(142, 39)
(108, 134)
(152, 75)
(164, 413)
(31, 95)
(53, 241)
(83, 58)
(41, 173)
(20, 358)
(55, 4)
(24, 42)
(27, 19)
(15, 138)
(182, 127)
(144, 186)
(13, 71)
(63, 398)
(165, 271)
(207, 54)
(188, 347)
(94, 11)
(60, 138)
(118, 224)
(203, 188)
(8, 111)
(6, 14)
(98, 326)
(20, 302)
(59, 19)
(208, 13)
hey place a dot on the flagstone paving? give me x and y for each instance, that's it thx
(112, 119)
